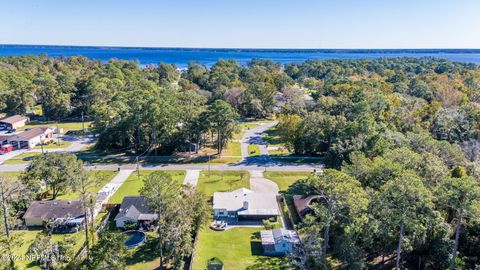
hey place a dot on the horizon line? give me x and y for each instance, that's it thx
(232, 48)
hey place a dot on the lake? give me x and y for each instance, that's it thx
(181, 56)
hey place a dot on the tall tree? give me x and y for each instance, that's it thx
(109, 252)
(340, 196)
(57, 171)
(401, 203)
(460, 195)
(10, 190)
(161, 190)
(221, 117)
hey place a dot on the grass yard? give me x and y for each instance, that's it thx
(233, 149)
(54, 144)
(237, 248)
(134, 183)
(13, 175)
(100, 179)
(27, 238)
(253, 150)
(242, 128)
(67, 126)
(22, 158)
(285, 179)
(222, 181)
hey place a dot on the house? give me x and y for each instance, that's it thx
(243, 204)
(40, 213)
(13, 122)
(135, 209)
(303, 204)
(279, 241)
(32, 137)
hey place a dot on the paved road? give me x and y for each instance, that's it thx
(274, 166)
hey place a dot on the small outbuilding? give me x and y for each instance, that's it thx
(137, 210)
(279, 241)
(13, 122)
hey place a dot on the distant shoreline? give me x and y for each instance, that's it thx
(209, 56)
(291, 50)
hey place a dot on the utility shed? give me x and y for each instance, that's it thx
(279, 241)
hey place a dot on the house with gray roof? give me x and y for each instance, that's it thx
(244, 204)
(135, 209)
(39, 213)
(279, 241)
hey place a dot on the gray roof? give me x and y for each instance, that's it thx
(13, 119)
(29, 134)
(54, 209)
(279, 236)
(136, 207)
(246, 202)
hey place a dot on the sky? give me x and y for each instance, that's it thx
(243, 23)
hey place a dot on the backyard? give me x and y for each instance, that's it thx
(134, 183)
(237, 248)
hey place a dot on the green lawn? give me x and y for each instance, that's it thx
(285, 179)
(14, 175)
(233, 149)
(242, 128)
(212, 181)
(22, 158)
(134, 183)
(99, 180)
(253, 150)
(27, 238)
(237, 248)
(65, 126)
(54, 144)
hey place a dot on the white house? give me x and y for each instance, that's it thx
(13, 122)
(279, 241)
(32, 137)
(244, 204)
(135, 209)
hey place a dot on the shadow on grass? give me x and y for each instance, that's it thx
(144, 253)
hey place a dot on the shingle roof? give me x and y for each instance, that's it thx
(136, 207)
(246, 202)
(13, 119)
(302, 203)
(29, 134)
(54, 209)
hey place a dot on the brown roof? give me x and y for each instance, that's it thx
(29, 134)
(54, 209)
(302, 203)
(13, 119)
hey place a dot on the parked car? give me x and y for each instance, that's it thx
(6, 148)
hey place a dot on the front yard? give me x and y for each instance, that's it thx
(285, 179)
(212, 181)
(99, 180)
(22, 158)
(133, 184)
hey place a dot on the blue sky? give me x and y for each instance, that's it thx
(243, 23)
